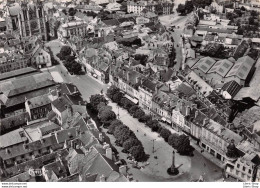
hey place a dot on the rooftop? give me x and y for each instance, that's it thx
(12, 138)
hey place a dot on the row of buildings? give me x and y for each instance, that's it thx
(47, 135)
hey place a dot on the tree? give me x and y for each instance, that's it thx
(112, 90)
(154, 125)
(122, 133)
(165, 133)
(113, 125)
(254, 13)
(126, 103)
(64, 11)
(201, 3)
(189, 6)
(100, 105)
(76, 68)
(107, 116)
(137, 152)
(238, 12)
(133, 109)
(173, 140)
(251, 20)
(125, 135)
(139, 113)
(95, 100)
(117, 97)
(72, 11)
(243, 8)
(103, 108)
(230, 16)
(64, 52)
(137, 42)
(181, 9)
(183, 145)
(69, 58)
(145, 118)
(129, 143)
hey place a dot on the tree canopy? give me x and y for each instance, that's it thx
(165, 133)
(95, 100)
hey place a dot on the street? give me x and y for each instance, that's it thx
(192, 167)
(179, 22)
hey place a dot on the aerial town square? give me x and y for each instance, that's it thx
(130, 90)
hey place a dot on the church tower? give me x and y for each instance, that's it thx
(30, 19)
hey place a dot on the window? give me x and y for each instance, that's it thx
(249, 171)
(244, 168)
(236, 172)
(242, 175)
(238, 165)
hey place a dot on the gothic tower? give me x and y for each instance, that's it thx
(30, 19)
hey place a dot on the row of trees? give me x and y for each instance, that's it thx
(180, 143)
(69, 60)
(124, 136)
(127, 139)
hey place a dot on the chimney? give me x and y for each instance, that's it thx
(75, 89)
(196, 114)
(122, 170)
(127, 76)
(69, 111)
(109, 153)
(188, 109)
(7, 151)
(205, 121)
(137, 79)
(102, 178)
(101, 137)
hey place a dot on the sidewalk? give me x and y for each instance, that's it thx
(206, 154)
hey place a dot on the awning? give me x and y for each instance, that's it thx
(131, 99)
(163, 119)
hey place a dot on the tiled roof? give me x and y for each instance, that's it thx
(221, 67)
(39, 101)
(223, 132)
(232, 87)
(68, 88)
(13, 151)
(17, 73)
(166, 76)
(57, 168)
(148, 84)
(21, 98)
(13, 122)
(49, 127)
(62, 102)
(242, 67)
(25, 81)
(12, 138)
(66, 134)
(253, 90)
(204, 64)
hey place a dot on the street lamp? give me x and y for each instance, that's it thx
(153, 144)
(118, 112)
